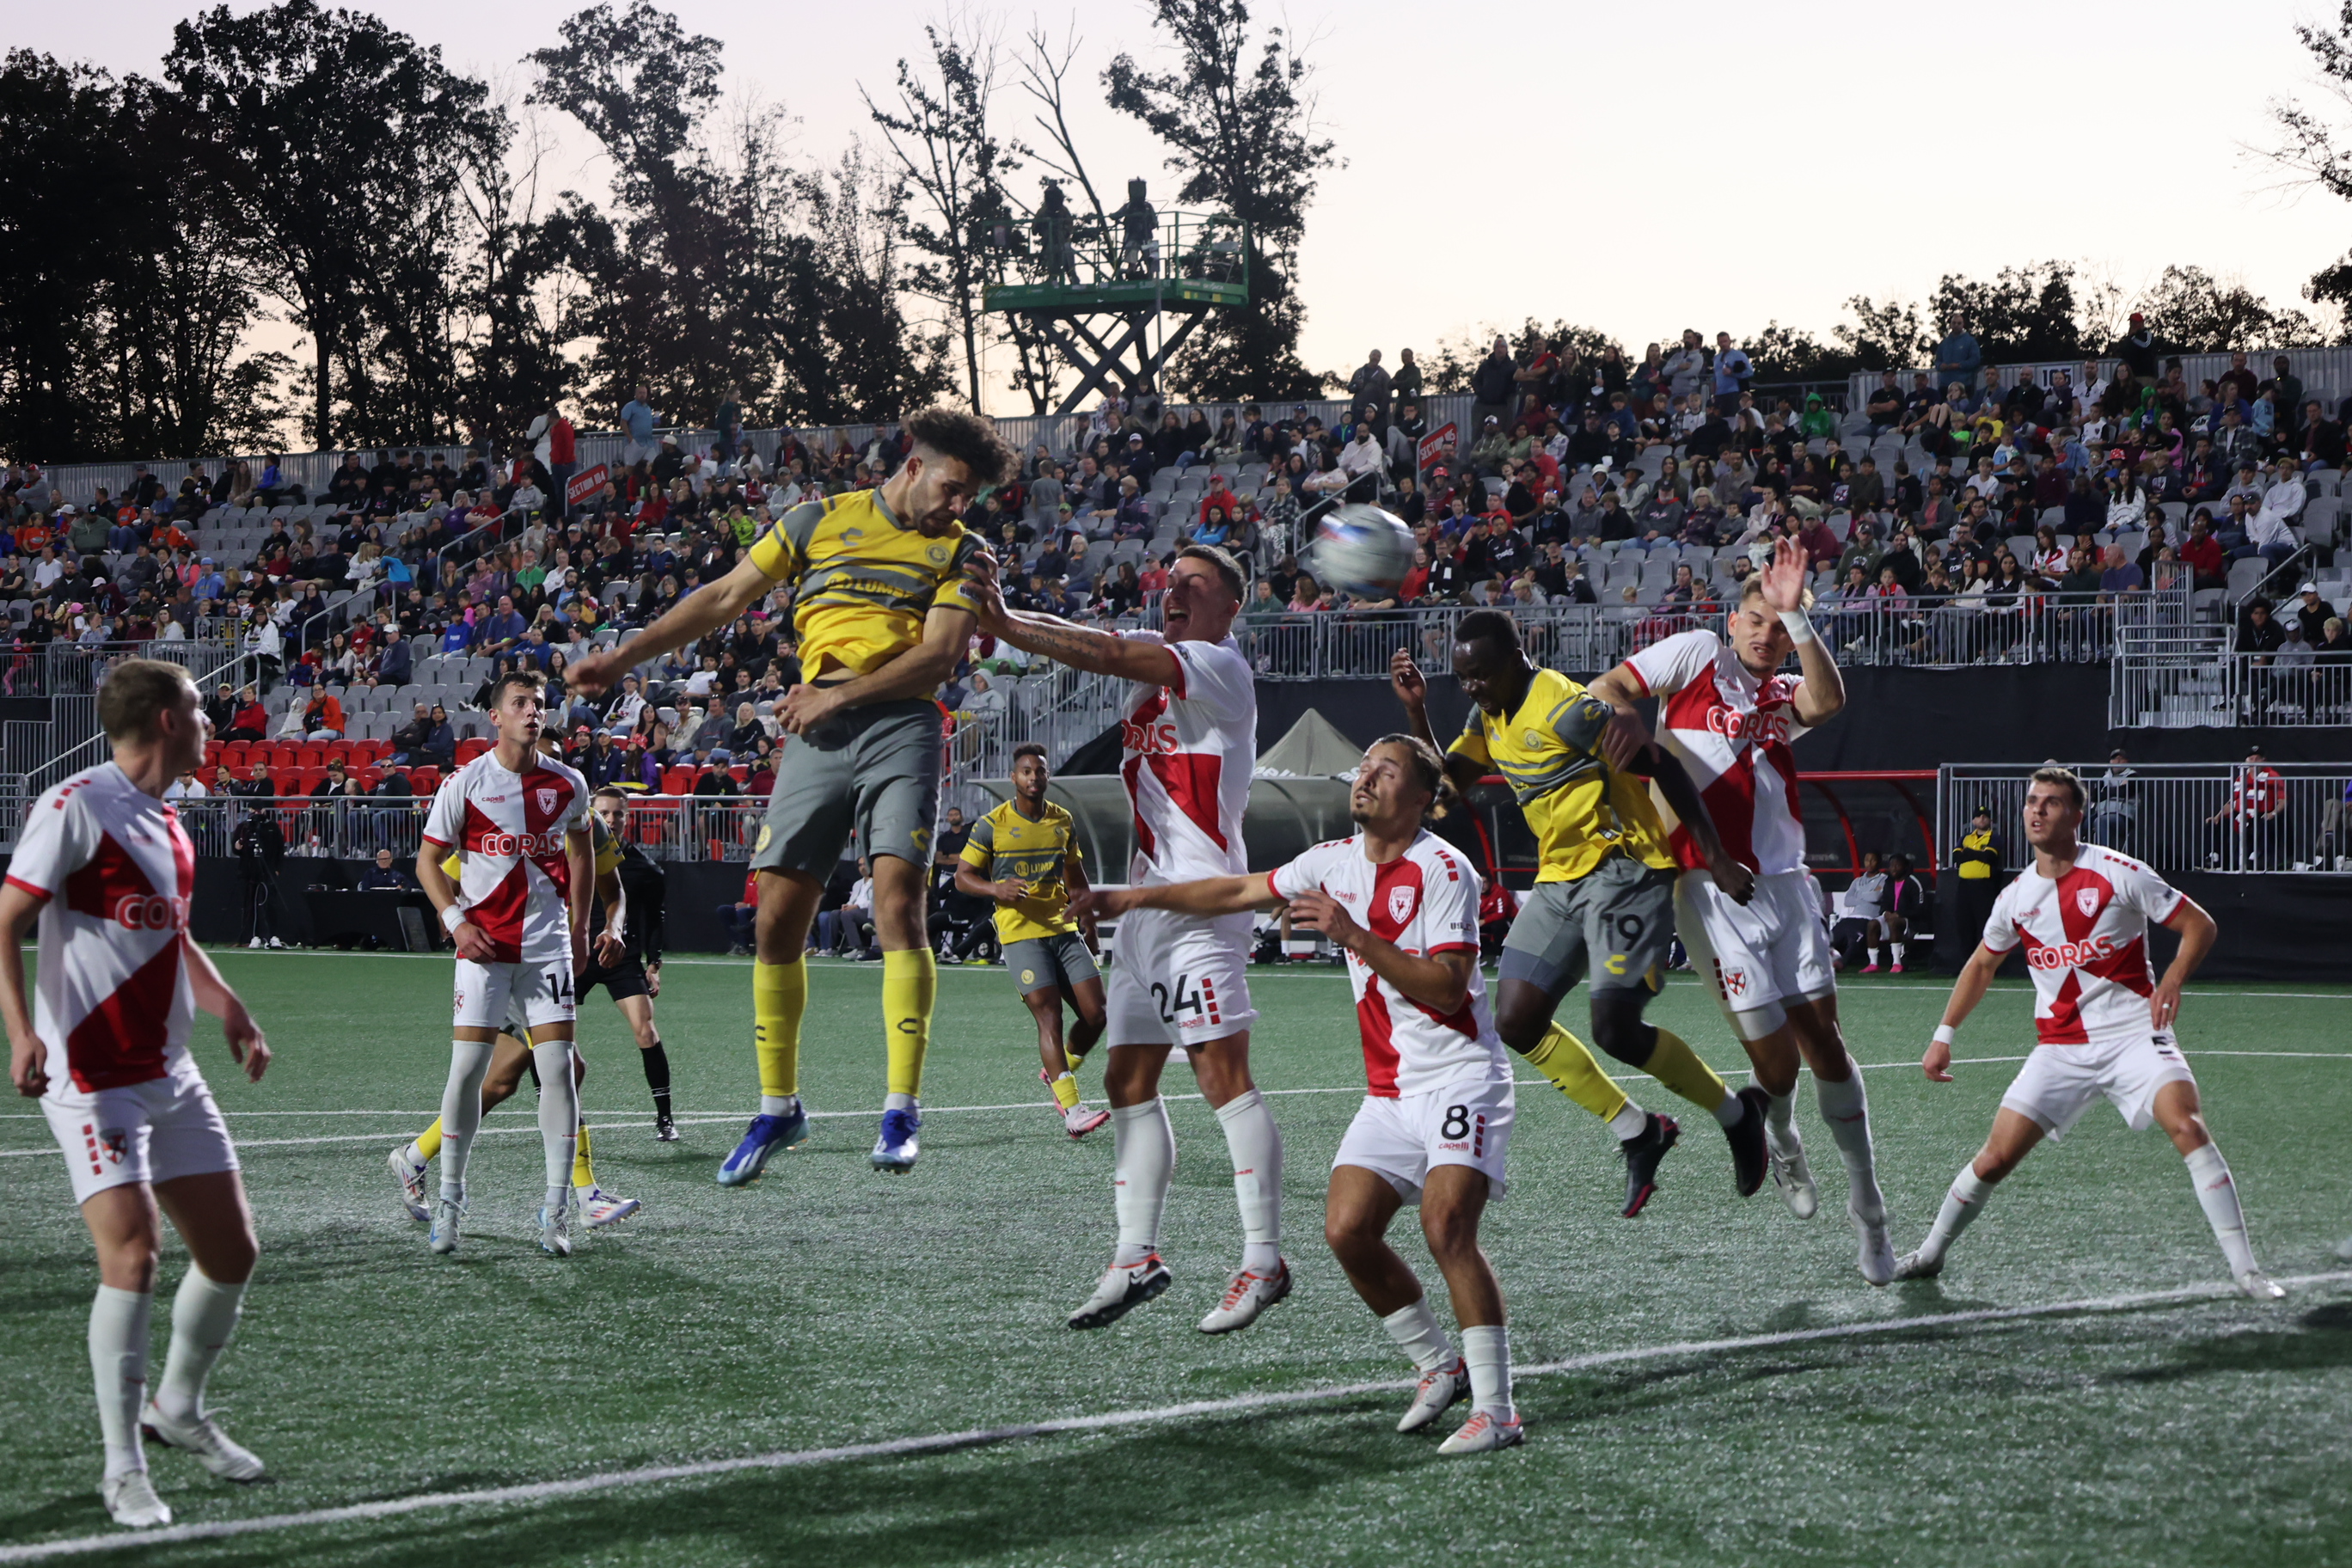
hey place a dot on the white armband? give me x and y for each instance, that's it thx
(452, 918)
(1945, 1034)
(1801, 630)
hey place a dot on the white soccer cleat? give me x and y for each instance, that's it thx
(1081, 1120)
(411, 1177)
(203, 1437)
(2260, 1286)
(1791, 1176)
(555, 1229)
(1482, 1434)
(1247, 1295)
(602, 1208)
(1876, 1259)
(1917, 1266)
(1440, 1391)
(132, 1502)
(448, 1218)
(1121, 1291)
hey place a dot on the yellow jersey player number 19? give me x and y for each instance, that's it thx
(882, 583)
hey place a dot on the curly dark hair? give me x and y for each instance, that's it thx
(968, 438)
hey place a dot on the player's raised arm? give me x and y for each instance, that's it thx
(1821, 696)
(214, 995)
(1968, 990)
(2197, 934)
(704, 610)
(1080, 647)
(1466, 763)
(28, 1059)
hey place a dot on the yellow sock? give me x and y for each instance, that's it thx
(779, 997)
(910, 981)
(1567, 1062)
(1673, 1063)
(1065, 1092)
(428, 1142)
(583, 1171)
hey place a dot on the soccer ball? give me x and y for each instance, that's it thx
(1359, 548)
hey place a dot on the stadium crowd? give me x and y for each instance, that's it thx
(1650, 487)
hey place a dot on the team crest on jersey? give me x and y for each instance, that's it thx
(2087, 901)
(547, 800)
(766, 833)
(938, 554)
(1399, 904)
(1533, 739)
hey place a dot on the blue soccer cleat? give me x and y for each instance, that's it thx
(762, 1138)
(895, 1151)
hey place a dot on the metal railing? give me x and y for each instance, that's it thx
(2184, 817)
(2212, 688)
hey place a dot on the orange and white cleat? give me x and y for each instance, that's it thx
(1440, 1391)
(1246, 1295)
(1484, 1433)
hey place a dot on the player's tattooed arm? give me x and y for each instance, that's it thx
(1080, 647)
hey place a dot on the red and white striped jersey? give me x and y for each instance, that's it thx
(1188, 746)
(1731, 733)
(508, 829)
(115, 872)
(1425, 900)
(2085, 938)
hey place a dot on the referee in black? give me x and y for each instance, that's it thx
(633, 977)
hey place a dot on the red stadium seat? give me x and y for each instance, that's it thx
(234, 755)
(212, 750)
(312, 755)
(371, 751)
(677, 781)
(424, 781)
(284, 755)
(367, 775)
(339, 750)
(469, 747)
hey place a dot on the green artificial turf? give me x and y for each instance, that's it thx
(828, 1305)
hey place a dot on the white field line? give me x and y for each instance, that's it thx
(976, 1437)
(730, 1120)
(1299, 972)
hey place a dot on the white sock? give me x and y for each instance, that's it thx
(1419, 1334)
(1846, 1108)
(118, 1362)
(1256, 1145)
(779, 1104)
(1961, 1207)
(1143, 1163)
(1732, 1111)
(1488, 1351)
(1898, 951)
(899, 1101)
(2219, 1193)
(204, 1316)
(1630, 1122)
(461, 1112)
(559, 1117)
(1780, 1119)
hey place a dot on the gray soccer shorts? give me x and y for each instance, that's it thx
(1615, 922)
(1038, 963)
(874, 769)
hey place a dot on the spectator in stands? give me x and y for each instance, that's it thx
(2258, 632)
(386, 876)
(323, 716)
(1492, 386)
(2120, 577)
(2248, 824)
(2201, 552)
(2313, 614)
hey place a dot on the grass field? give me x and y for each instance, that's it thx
(2075, 1389)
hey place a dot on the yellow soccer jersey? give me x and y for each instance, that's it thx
(1006, 844)
(607, 847)
(1576, 805)
(863, 580)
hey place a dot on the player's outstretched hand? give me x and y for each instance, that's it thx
(245, 1045)
(1102, 903)
(473, 943)
(29, 1065)
(1784, 580)
(1407, 681)
(987, 597)
(1938, 1063)
(595, 672)
(1318, 911)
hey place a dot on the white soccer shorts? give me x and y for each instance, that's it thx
(152, 1132)
(1402, 1139)
(1179, 979)
(2058, 1083)
(501, 995)
(1772, 949)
